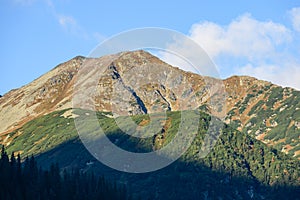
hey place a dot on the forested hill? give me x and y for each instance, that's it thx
(238, 167)
(20, 181)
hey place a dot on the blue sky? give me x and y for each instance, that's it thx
(256, 38)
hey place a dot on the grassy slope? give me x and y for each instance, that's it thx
(236, 163)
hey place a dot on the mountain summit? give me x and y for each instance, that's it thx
(137, 82)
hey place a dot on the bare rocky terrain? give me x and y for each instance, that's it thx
(131, 83)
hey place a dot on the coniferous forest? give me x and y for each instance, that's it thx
(238, 167)
(25, 180)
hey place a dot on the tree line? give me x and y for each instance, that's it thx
(26, 181)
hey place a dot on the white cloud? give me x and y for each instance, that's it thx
(70, 25)
(176, 61)
(295, 17)
(183, 52)
(244, 36)
(67, 22)
(247, 46)
(287, 75)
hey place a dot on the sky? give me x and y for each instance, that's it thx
(255, 38)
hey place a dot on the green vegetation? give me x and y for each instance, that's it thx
(274, 116)
(42, 134)
(256, 107)
(26, 180)
(244, 104)
(237, 167)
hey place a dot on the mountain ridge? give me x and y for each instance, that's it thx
(249, 101)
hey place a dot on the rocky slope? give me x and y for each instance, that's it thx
(137, 83)
(50, 92)
(266, 111)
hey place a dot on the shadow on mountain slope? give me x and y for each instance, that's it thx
(180, 180)
(238, 167)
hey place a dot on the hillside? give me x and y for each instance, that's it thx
(138, 83)
(265, 111)
(243, 167)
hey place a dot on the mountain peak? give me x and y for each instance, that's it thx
(138, 58)
(136, 82)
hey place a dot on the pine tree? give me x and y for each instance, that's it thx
(4, 156)
(28, 182)
(13, 159)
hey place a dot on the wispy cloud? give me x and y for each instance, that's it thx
(67, 22)
(295, 17)
(71, 26)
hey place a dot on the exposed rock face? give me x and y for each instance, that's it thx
(50, 92)
(136, 82)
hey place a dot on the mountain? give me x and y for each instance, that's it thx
(137, 82)
(257, 146)
(266, 111)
